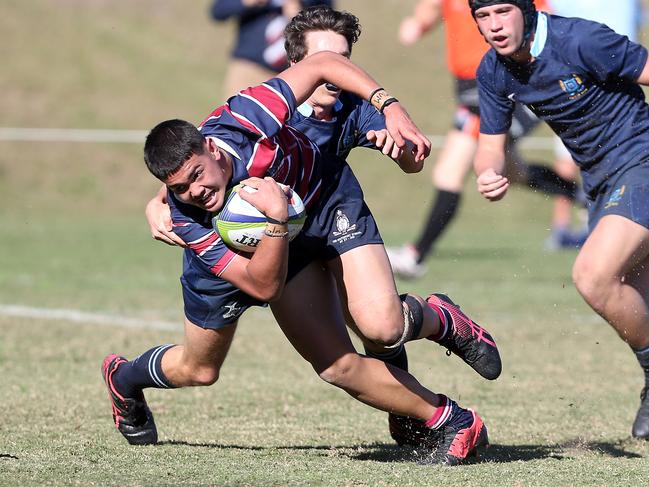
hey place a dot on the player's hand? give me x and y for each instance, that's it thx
(270, 198)
(158, 216)
(384, 141)
(402, 129)
(409, 31)
(492, 185)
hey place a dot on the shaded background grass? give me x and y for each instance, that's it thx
(73, 236)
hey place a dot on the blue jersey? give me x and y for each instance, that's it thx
(582, 82)
(260, 36)
(353, 118)
(252, 129)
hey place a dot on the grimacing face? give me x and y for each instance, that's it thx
(202, 180)
(325, 40)
(503, 27)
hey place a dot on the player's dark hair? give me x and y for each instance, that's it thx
(527, 7)
(169, 145)
(315, 19)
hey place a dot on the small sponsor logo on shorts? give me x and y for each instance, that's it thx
(615, 198)
(232, 310)
(346, 229)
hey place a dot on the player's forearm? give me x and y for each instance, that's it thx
(488, 158)
(327, 67)
(269, 265)
(428, 14)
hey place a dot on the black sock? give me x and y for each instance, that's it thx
(143, 371)
(396, 357)
(440, 215)
(643, 359)
(549, 182)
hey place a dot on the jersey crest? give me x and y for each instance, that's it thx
(573, 86)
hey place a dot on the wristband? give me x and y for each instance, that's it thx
(387, 103)
(275, 233)
(276, 222)
(378, 97)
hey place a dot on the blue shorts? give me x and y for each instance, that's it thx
(339, 221)
(626, 194)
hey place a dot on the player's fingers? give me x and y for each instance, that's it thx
(371, 135)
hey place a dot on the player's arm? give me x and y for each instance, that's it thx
(643, 79)
(427, 15)
(224, 9)
(489, 166)
(158, 215)
(263, 275)
(322, 67)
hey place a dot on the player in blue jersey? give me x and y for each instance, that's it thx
(337, 268)
(583, 79)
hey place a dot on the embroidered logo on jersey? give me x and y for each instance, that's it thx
(346, 230)
(232, 310)
(574, 86)
(615, 198)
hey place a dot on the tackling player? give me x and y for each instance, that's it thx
(582, 79)
(337, 122)
(336, 267)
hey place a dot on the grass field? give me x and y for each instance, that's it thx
(73, 237)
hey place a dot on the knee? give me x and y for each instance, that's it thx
(593, 284)
(203, 375)
(382, 323)
(338, 372)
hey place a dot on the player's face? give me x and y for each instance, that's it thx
(201, 181)
(325, 40)
(503, 27)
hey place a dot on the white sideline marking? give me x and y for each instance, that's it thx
(76, 316)
(83, 317)
(17, 134)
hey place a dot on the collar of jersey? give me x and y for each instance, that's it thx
(307, 110)
(541, 34)
(225, 146)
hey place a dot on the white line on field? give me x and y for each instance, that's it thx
(76, 316)
(87, 318)
(137, 137)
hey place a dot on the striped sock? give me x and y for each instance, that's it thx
(444, 320)
(443, 413)
(141, 372)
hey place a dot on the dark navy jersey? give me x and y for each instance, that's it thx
(260, 37)
(251, 128)
(353, 118)
(582, 82)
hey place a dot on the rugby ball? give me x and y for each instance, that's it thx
(241, 225)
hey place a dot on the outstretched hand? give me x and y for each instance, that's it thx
(402, 129)
(384, 141)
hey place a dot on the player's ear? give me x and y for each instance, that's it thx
(212, 148)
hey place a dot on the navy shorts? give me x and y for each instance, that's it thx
(339, 221)
(626, 194)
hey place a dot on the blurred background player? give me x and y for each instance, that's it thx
(258, 53)
(624, 17)
(464, 49)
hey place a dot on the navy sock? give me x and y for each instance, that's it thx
(440, 215)
(643, 359)
(143, 371)
(396, 357)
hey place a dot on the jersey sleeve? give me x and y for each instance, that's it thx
(605, 54)
(194, 226)
(495, 108)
